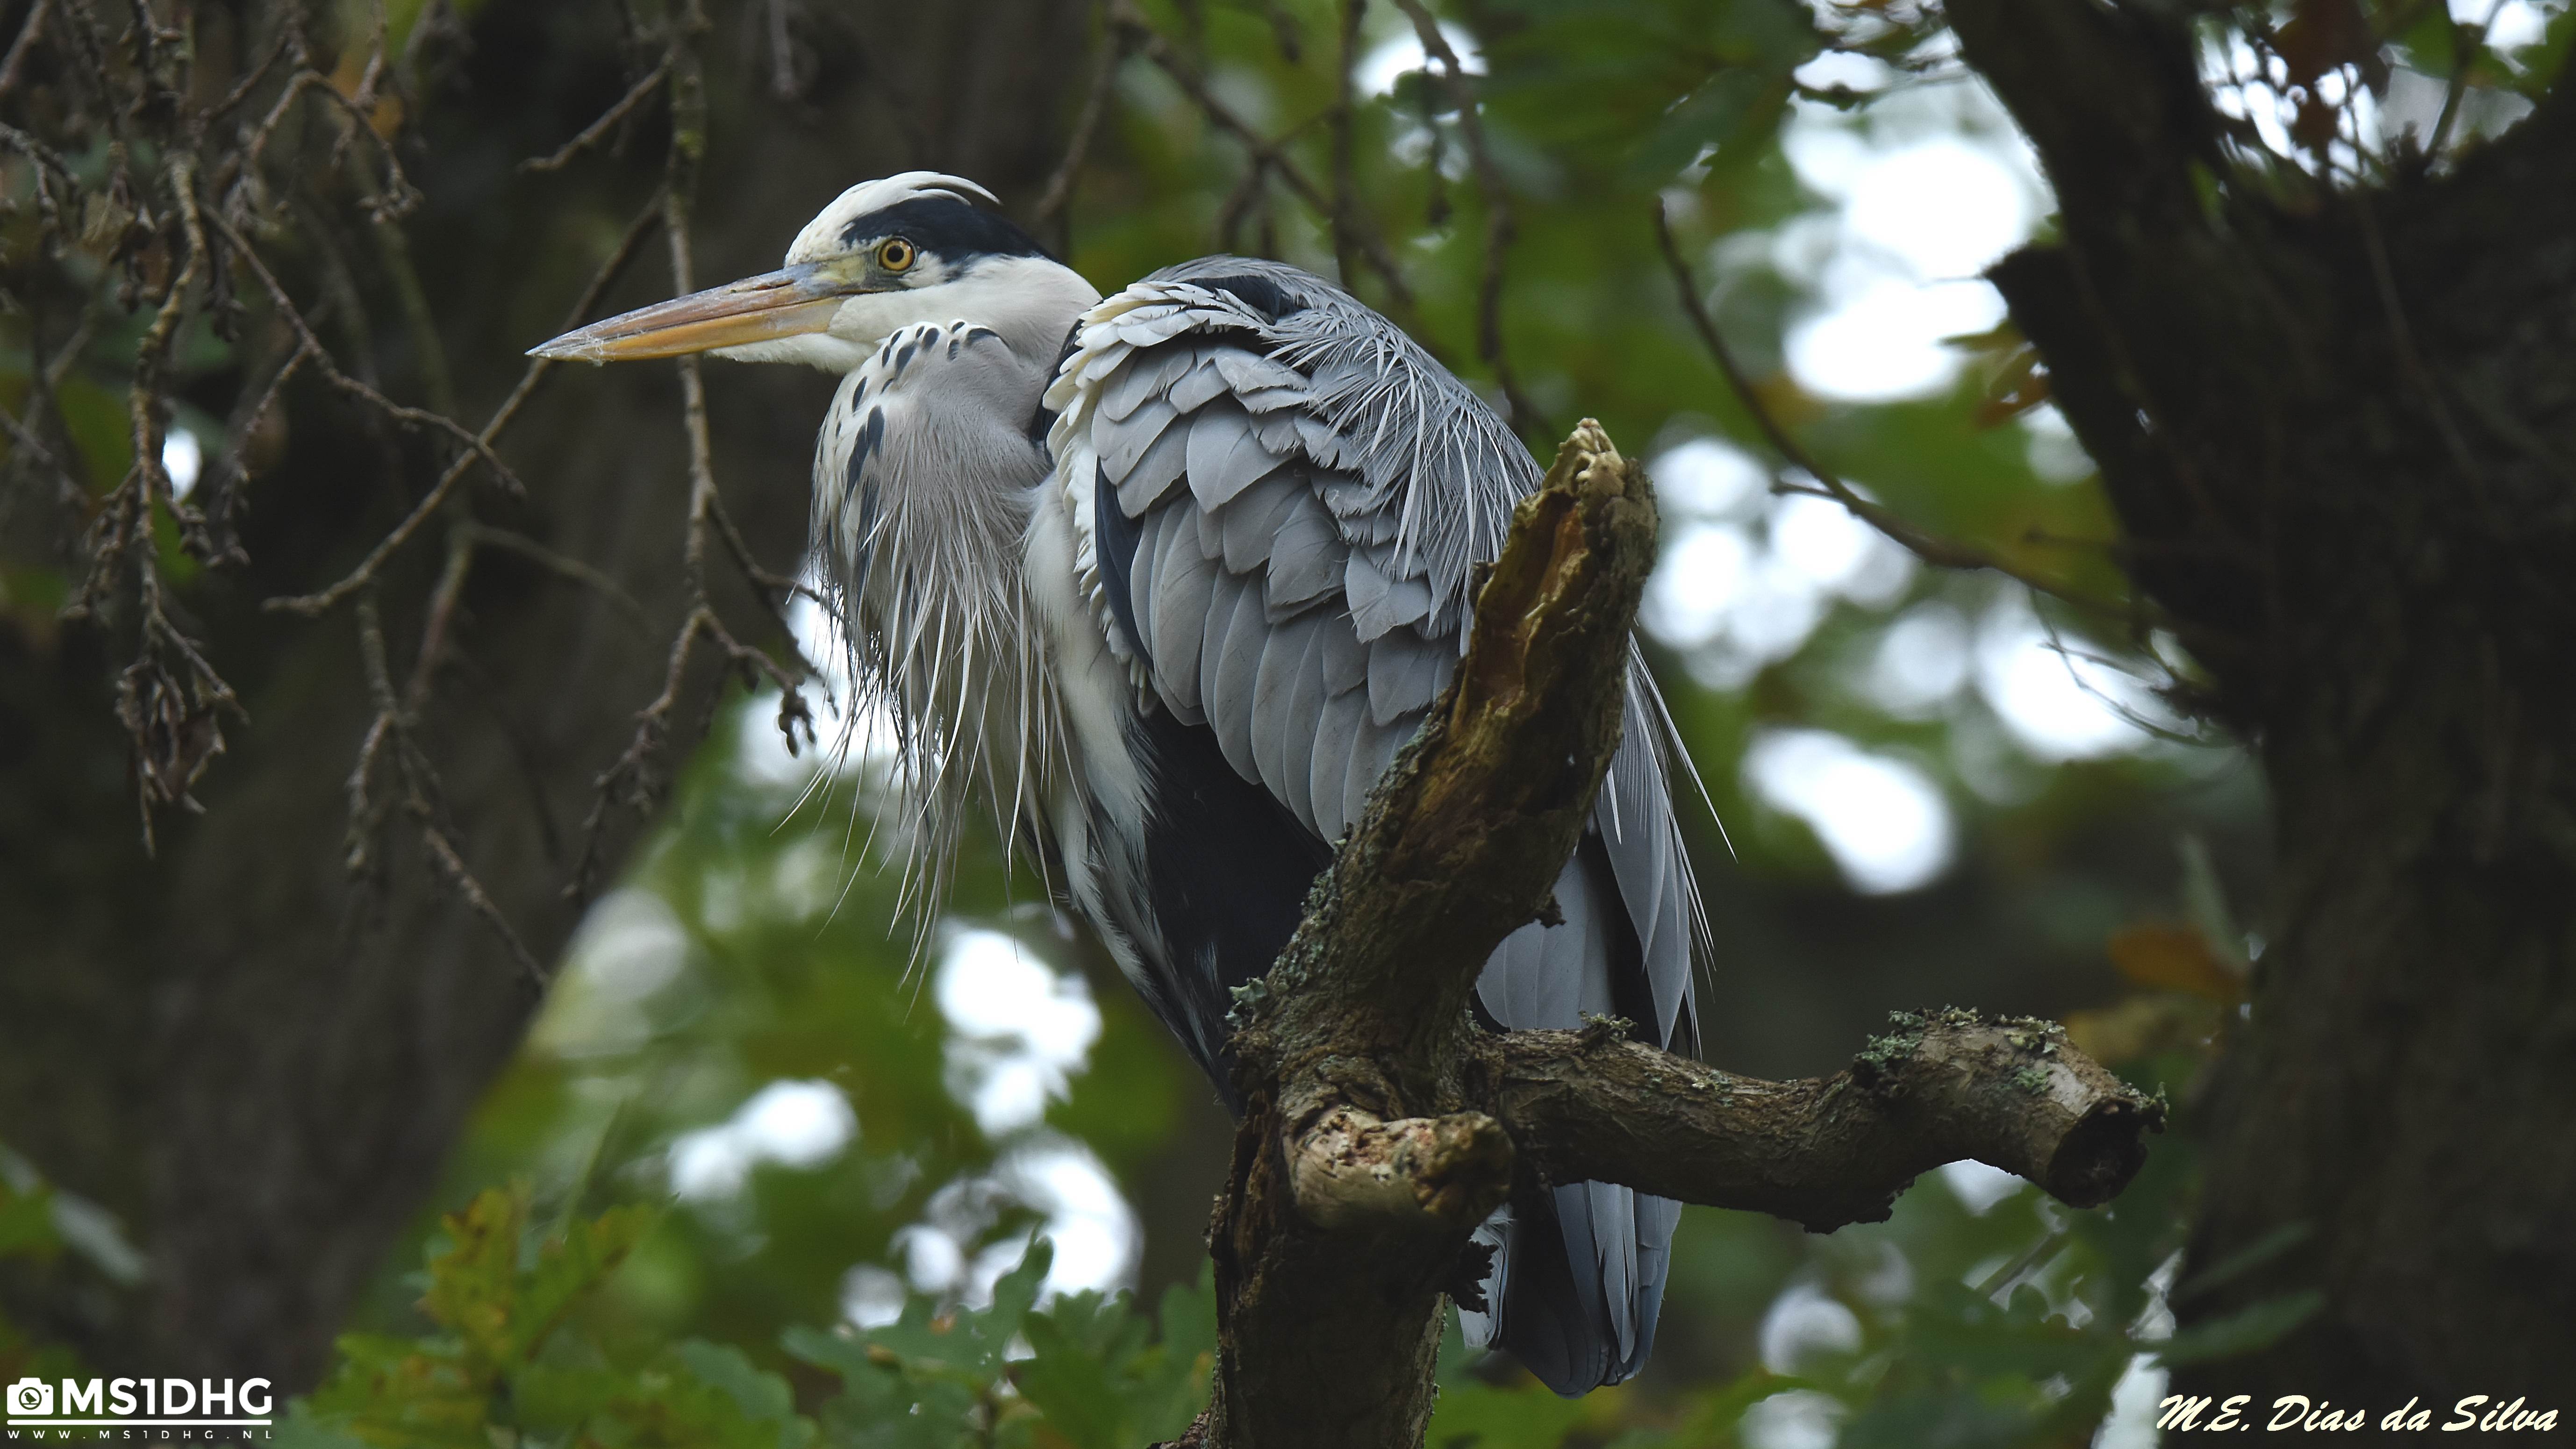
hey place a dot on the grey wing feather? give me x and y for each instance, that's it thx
(1367, 589)
(1635, 819)
(1301, 727)
(1338, 727)
(1184, 593)
(1142, 577)
(1372, 751)
(1276, 429)
(1345, 660)
(1306, 557)
(1133, 386)
(1286, 658)
(1404, 672)
(1225, 456)
(1250, 525)
(1211, 527)
(1396, 597)
(1232, 681)
(1248, 373)
(1201, 383)
(1133, 436)
(1155, 471)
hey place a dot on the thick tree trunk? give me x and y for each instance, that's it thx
(258, 1062)
(2340, 430)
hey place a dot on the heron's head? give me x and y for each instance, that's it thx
(919, 247)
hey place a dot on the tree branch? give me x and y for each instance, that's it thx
(1943, 1087)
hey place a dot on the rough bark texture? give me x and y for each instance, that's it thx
(257, 1062)
(1594, 1105)
(1381, 1126)
(2340, 431)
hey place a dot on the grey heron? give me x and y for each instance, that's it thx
(1167, 578)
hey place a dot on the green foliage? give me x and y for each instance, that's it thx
(28, 1237)
(1090, 1379)
(507, 1362)
(500, 1368)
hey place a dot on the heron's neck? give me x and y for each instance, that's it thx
(1031, 301)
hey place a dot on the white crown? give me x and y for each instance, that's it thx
(822, 236)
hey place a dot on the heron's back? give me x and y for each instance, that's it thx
(1271, 503)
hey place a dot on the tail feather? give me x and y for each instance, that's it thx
(1576, 1328)
(1579, 1272)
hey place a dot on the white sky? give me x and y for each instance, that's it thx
(181, 457)
(1923, 190)
(1020, 1031)
(792, 1123)
(1882, 819)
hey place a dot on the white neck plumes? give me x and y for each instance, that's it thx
(925, 475)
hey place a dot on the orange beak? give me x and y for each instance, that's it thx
(784, 303)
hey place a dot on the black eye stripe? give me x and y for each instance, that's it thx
(944, 226)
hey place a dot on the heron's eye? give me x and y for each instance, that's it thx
(894, 254)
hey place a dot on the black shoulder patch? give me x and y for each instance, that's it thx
(1227, 870)
(947, 227)
(1261, 294)
(1114, 537)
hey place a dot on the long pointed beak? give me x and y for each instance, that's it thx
(756, 309)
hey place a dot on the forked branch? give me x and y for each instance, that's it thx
(1382, 1127)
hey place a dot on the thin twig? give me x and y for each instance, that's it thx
(1346, 189)
(562, 565)
(27, 34)
(392, 727)
(417, 417)
(1932, 549)
(1501, 225)
(235, 473)
(629, 780)
(38, 152)
(608, 119)
(368, 568)
(2412, 361)
(453, 866)
(440, 617)
(242, 88)
(2467, 39)
(125, 521)
(1372, 246)
(635, 778)
(1086, 124)
(399, 195)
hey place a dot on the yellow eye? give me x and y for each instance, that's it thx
(894, 254)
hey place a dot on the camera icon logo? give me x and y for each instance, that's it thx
(31, 1396)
